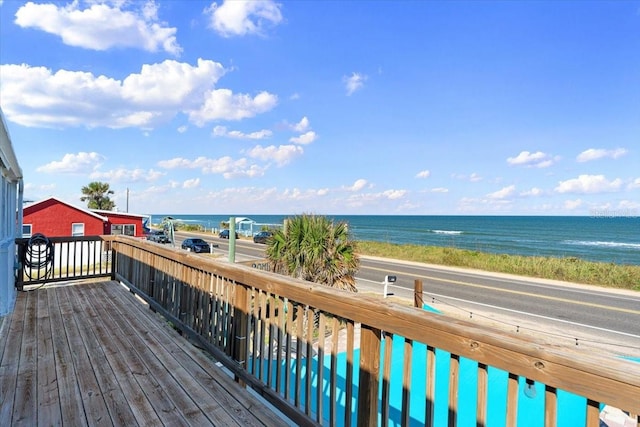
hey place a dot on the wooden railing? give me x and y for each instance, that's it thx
(324, 356)
(43, 260)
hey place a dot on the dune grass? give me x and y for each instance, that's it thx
(570, 269)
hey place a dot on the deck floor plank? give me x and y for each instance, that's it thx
(25, 405)
(92, 354)
(11, 359)
(93, 402)
(48, 397)
(68, 389)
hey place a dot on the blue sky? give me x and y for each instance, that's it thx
(328, 107)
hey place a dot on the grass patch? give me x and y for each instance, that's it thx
(569, 269)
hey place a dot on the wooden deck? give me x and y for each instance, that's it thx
(92, 354)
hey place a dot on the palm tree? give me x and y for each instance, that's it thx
(315, 248)
(97, 196)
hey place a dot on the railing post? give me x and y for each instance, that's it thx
(240, 322)
(113, 259)
(417, 293)
(369, 376)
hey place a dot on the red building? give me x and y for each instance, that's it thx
(55, 218)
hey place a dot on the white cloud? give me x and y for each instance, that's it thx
(191, 183)
(182, 129)
(439, 190)
(572, 204)
(224, 104)
(302, 125)
(101, 26)
(354, 82)
(225, 166)
(502, 193)
(127, 175)
(38, 97)
(474, 177)
(423, 174)
(634, 184)
(598, 153)
(74, 163)
(282, 154)
(394, 194)
(236, 134)
(536, 160)
(305, 138)
(358, 185)
(589, 184)
(533, 192)
(242, 17)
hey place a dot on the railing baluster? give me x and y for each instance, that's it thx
(320, 368)
(369, 376)
(310, 319)
(481, 408)
(289, 333)
(550, 406)
(333, 386)
(512, 400)
(406, 382)
(349, 374)
(593, 413)
(386, 378)
(431, 386)
(454, 374)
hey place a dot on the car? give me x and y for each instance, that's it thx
(262, 237)
(158, 236)
(196, 245)
(224, 234)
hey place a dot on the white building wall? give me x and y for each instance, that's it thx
(11, 188)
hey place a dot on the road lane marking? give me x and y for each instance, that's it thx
(529, 294)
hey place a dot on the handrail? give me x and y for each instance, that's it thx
(54, 259)
(257, 322)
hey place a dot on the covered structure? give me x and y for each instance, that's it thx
(11, 193)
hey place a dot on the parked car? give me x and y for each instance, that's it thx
(224, 234)
(196, 245)
(262, 237)
(158, 236)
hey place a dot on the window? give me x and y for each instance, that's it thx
(77, 229)
(126, 229)
(26, 230)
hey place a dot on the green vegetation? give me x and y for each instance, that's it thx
(317, 249)
(96, 194)
(189, 227)
(567, 269)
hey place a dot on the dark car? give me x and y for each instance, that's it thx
(262, 237)
(196, 245)
(224, 234)
(158, 236)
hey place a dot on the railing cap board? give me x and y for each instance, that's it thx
(616, 382)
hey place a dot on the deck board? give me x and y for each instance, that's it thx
(92, 354)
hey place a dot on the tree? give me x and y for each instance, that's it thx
(96, 194)
(315, 248)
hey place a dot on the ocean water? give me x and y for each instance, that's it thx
(613, 239)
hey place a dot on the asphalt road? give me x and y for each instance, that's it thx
(613, 315)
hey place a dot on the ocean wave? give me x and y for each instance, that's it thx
(446, 231)
(604, 244)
